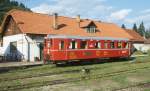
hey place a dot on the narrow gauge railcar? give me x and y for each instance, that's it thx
(61, 48)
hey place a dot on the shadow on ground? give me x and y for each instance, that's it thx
(93, 61)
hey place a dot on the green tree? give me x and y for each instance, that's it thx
(6, 5)
(141, 29)
(123, 26)
(147, 34)
(135, 27)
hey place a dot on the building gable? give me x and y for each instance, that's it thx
(10, 27)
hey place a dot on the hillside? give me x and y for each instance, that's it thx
(6, 5)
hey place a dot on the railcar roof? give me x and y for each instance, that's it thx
(84, 38)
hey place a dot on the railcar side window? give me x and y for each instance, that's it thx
(105, 44)
(61, 45)
(98, 45)
(83, 45)
(73, 45)
(126, 45)
(119, 44)
(112, 45)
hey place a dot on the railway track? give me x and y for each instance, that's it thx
(68, 80)
(57, 73)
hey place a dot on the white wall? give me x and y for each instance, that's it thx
(142, 47)
(21, 44)
(146, 47)
(25, 45)
(1, 51)
(138, 46)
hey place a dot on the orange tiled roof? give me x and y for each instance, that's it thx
(147, 41)
(135, 35)
(35, 23)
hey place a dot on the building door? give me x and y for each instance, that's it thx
(41, 51)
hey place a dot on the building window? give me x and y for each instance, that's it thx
(83, 45)
(112, 45)
(73, 45)
(98, 45)
(13, 47)
(119, 44)
(105, 45)
(61, 45)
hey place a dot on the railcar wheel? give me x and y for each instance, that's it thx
(60, 63)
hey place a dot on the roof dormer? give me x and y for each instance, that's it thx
(90, 27)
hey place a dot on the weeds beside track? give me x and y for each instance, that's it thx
(68, 80)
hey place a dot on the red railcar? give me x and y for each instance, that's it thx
(60, 48)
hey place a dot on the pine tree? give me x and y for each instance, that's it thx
(147, 34)
(141, 29)
(123, 26)
(135, 27)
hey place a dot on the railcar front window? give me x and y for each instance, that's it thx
(49, 43)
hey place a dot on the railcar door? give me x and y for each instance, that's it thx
(61, 54)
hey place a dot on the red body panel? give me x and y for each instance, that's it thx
(87, 54)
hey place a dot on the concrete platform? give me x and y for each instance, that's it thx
(7, 66)
(17, 64)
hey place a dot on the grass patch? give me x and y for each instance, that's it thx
(52, 69)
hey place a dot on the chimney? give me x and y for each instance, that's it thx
(78, 20)
(55, 21)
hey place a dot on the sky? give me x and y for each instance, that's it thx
(120, 12)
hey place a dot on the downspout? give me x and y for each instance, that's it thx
(22, 57)
(28, 48)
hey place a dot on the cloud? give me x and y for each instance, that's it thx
(86, 8)
(121, 14)
(145, 11)
(143, 16)
(138, 19)
(43, 8)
